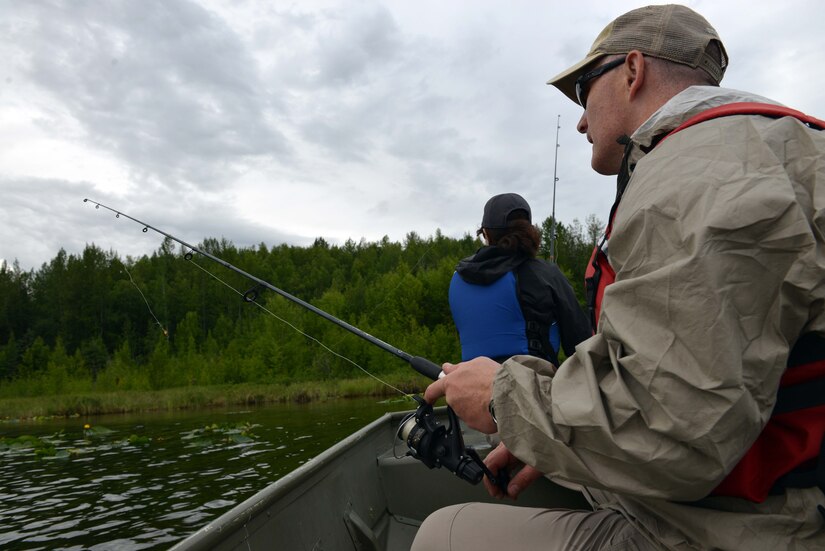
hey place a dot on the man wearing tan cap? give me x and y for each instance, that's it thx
(694, 417)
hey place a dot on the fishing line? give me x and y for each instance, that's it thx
(310, 337)
(162, 328)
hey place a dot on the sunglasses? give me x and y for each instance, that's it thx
(581, 93)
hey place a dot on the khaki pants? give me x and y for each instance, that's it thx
(486, 526)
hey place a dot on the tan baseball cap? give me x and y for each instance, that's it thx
(672, 32)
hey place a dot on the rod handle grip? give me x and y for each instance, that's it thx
(426, 367)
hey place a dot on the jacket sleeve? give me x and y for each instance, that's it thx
(716, 264)
(550, 297)
(574, 325)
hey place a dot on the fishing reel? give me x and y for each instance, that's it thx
(437, 445)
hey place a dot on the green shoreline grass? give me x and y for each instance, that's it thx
(192, 397)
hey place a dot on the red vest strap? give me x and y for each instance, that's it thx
(748, 108)
(598, 275)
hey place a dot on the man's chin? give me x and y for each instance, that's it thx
(602, 169)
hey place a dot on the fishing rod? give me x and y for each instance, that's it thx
(422, 365)
(434, 444)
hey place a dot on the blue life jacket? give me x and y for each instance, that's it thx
(490, 321)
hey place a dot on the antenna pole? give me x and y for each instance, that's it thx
(555, 179)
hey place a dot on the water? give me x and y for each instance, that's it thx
(147, 481)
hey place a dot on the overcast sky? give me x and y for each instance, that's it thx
(274, 121)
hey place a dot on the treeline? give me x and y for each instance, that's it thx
(99, 322)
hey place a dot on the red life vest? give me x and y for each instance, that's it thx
(790, 450)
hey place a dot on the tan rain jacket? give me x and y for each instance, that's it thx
(719, 250)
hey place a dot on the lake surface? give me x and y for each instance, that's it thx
(146, 481)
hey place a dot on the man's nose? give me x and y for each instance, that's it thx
(582, 124)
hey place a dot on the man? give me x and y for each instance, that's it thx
(669, 416)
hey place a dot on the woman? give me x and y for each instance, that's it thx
(504, 300)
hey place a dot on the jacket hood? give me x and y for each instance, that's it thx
(488, 264)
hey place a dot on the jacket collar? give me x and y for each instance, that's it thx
(678, 109)
(681, 107)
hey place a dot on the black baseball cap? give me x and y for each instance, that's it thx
(499, 208)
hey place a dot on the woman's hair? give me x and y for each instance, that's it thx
(520, 234)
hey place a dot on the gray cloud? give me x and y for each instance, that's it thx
(260, 121)
(166, 87)
(51, 214)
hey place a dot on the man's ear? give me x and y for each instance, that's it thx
(634, 73)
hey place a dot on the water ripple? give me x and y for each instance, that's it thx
(112, 491)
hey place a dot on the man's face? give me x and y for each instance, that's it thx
(602, 120)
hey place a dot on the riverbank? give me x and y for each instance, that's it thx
(192, 397)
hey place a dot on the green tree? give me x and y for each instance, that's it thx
(166, 319)
(35, 359)
(94, 354)
(9, 359)
(15, 301)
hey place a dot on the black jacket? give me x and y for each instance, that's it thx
(543, 293)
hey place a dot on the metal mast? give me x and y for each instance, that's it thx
(555, 179)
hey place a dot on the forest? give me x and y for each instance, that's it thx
(98, 322)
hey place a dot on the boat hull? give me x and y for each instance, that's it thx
(357, 495)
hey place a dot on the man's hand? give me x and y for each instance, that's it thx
(501, 458)
(468, 387)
